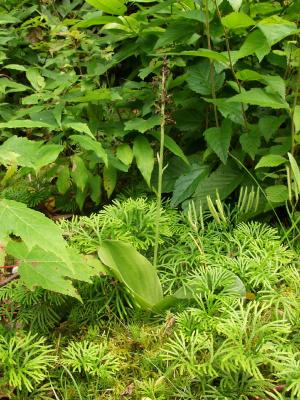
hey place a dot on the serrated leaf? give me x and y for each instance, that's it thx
(259, 97)
(269, 125)
(277, 193)
(38, 268)
(109, 179)
(219, 139)
(24, 124)
(250, 142)
(144, 157)
(224, 181)
(133, 270)
(115, 7)
(271, 160)
(95, 95)
(125, 153)
(142, 125)
(79, 173)
(80, 127)
(171, 145)
(187, 183)
(276, 28)
(199, 78)
(32, 227)
(90, 144)
(255, 43)
(237, 20)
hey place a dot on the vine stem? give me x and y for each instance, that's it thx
(160, 156)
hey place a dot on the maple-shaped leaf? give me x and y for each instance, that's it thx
(39, 268)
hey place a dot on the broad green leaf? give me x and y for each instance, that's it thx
(219, 139)
(255, 43)
(260, 98)
(143, 153)
(269, 125)
(276, 28)
(63, 182)
(295, 170)
(23, 124)
(232, 111)
(79, 173)
(8, 19)
(109, 179)
(16, 67)
(80, 127)
(177, 31)
(125, 153)
(35, 78)
(142, 125)
(199, 78)
(206, 53)
(90, 144)
(250, 142)
(28, 153)
(235, 4)
(274, 82)
(271, 160)
(187, 183)
(32, 227)
(9, 86)
(95, 182)
(277, 193)
(237, 20)
(171, 145)
(133, 270)
(95, 95)
(38, 268)
(99, 20)
(115, 7)
(224, 181)
(296, 118)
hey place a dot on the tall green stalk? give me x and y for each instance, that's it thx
(160, 156)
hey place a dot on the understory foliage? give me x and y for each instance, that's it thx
(235, 337)
(81, 92)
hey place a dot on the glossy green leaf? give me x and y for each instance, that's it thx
(35, 78)
(187, 183)
(93, 145)
(28, 153)
(260, 98)
(270, 160)
(125, 153)
(79, 172)
(32, 227)
(142, 125)
(277, 193)
(276, 28)
(235, 4)
(237, 20)
(219, 139)
(171, 145)
(144, 156)
(133, 270)
(199, 78)
(115, 7)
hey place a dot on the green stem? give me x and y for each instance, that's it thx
(161, 157)
(293, 129)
